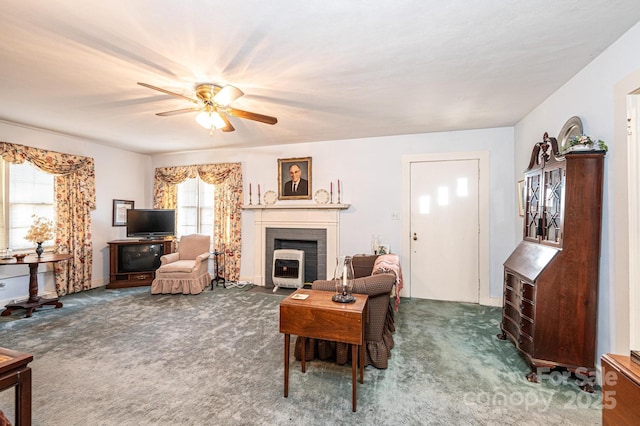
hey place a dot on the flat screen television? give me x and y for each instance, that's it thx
(151, 223)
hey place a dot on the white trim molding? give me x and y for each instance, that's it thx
(484, 297)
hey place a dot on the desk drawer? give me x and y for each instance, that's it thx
(526, 309)
(511, 311)
(528, 291)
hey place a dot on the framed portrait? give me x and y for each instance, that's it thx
(294, 178)
(521, 196)
(120, 208)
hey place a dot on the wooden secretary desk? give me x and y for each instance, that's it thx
(551, 278)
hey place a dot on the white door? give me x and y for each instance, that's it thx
(444, 230)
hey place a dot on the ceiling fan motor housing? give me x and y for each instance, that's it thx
(206, 91)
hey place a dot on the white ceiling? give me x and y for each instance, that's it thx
(327, 69)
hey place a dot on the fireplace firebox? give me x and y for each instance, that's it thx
(313, 242)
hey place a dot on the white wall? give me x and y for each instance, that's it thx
(370, 172)
(590, 95)
(119, 175)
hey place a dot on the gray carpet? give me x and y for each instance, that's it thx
(125, 357)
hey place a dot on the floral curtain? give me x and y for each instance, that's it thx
(75, 197)
(227, 210)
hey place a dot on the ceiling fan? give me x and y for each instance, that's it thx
(212, 105)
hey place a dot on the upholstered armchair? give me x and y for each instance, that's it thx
(379, 328)
(186, 271)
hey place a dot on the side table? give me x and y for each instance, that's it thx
(14, 372)
(312, 313)
(216, 264)
(34, 300)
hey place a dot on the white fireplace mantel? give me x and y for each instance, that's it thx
(325, 216)
(297, 206)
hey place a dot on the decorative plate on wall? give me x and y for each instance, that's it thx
(573, 127)
(270, 198)
(321, 196)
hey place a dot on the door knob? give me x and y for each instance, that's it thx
(415, 237)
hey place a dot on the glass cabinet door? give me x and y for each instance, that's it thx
(533, 206)
(553, 198)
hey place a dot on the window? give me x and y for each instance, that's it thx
(195, 207)
(27, 191)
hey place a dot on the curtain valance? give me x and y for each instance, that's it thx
(55, 163)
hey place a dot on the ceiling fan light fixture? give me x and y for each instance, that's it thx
(210, 120)
(227, 94)
(213, 106)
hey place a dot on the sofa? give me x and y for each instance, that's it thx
(378, 284)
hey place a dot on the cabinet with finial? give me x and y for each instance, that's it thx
(551, 278)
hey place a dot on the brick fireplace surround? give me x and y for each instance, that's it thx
(296, 218)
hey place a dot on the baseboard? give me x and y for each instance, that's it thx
(100, 282)
(491, 301)
(249, 280)
(5, 302)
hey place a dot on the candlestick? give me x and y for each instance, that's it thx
(331, 193)
(250, 194)
(338, 191)
(259, 194)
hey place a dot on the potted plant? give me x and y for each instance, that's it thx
(40, 231)
(585, 143)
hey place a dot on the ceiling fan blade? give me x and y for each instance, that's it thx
(227, 94)
(159, 89)
(228, 127)
(177, 111)
(251, 115)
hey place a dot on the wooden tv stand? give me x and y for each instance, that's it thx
(131, 278)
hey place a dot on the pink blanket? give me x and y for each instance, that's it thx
(390, 263)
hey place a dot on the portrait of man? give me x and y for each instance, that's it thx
(295, 177)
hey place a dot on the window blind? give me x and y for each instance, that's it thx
(30, 192)
(195, 207)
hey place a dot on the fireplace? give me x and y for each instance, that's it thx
(313, 229)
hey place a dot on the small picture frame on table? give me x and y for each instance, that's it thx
(383, 249)
(120, 208)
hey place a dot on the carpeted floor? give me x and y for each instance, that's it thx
(125, 357)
